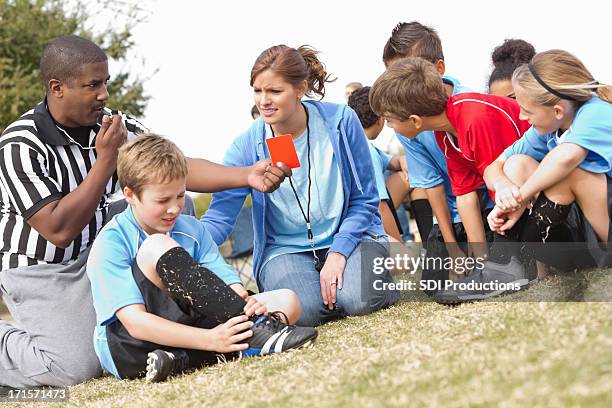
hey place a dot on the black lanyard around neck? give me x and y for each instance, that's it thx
(305, 214)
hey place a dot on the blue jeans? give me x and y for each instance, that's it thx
(357, 296)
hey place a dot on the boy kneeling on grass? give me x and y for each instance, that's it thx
(166, 301)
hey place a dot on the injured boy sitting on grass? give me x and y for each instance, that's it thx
(166, 301)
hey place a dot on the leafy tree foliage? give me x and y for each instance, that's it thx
(26, 26)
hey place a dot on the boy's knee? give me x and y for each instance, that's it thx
(152, 249)
(292, 300)
(518, 167)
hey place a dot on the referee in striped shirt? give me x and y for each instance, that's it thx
(57, 173)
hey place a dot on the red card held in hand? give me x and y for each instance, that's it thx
(282, 150)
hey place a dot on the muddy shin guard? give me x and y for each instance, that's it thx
(195, 286)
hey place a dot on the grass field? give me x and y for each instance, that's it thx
(517, 353)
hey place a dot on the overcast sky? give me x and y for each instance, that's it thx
(200, 53)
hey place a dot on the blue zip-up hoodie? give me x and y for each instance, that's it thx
(360, 211)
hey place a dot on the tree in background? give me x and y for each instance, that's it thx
(26, 26)
(201, 202)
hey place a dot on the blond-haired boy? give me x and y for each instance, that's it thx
(165, 299)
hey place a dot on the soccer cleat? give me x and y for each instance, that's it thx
(493, 279)
(272, 335)
(161, 364)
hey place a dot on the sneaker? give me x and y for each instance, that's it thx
(161, 364)
(493, 279)
(272, 335)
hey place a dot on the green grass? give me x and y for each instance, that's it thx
(509, 354)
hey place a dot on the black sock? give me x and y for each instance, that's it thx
(424, 217)
(193, 286)
(546, 226)
(543, 216)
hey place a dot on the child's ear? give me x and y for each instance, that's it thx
(380, 121)
(561, 109)
(417, 121)
(440, 67)
(130, 195)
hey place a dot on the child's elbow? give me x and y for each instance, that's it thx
(135, 330)
(132, 323)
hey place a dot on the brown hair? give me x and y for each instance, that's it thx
(149, 159)
(294, 65)
(413, 40)
(410, 86)
(562, 72)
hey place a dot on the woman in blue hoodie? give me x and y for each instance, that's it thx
(312, 233)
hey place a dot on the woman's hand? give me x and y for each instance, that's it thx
(331, 278)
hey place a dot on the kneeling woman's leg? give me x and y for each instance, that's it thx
(363, 290)
(297, 272)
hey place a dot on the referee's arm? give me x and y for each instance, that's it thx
(60, 221)
(207, 177)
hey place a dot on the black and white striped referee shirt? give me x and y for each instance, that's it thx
(40, 163)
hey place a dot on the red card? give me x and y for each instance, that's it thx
(282, 150)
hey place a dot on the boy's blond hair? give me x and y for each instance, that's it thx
(149, 159)
(410, 86)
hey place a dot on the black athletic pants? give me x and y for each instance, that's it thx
(198, 298)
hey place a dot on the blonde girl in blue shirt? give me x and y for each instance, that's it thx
(564, 159)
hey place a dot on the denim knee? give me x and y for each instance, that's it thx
(354, 305)
(312, 313)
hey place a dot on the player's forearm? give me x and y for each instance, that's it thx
(62, 220)
(471, 216)
(555, 166)
(439, 207)
(207, 177)
(388, 220)
(494, 175)
(149, 327)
